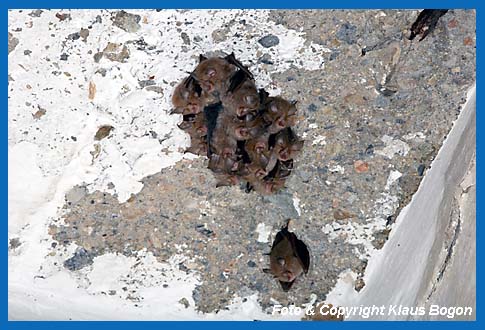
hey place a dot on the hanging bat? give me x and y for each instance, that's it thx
(258, 152)
(426, 22)
(226, 180)
(195, 125)
(243, 100)
(238, 129)
(286, 145)
(289, 258)
(213, 74)
(198, 146)
(279, 114)
(188, 97)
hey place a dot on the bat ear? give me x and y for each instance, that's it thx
(266, 270)
(211, 72)
(176, 110)
(184, 125)
(202, 58)
(294, 102)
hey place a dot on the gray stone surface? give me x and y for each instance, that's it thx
(397, 89)
(430, 260)
(126, 21)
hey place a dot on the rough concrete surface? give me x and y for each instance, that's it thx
(373, 116)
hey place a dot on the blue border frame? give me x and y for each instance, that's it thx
(285, 4)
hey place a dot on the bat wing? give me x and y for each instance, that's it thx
(192, 84)
(300, 251)
(236, 80)
(232, 59)
(211, 113)
(279, 237)
(426, 22)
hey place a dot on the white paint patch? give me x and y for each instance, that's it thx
(392, 178)
(313, 126)
(414, 136)
(263, 232)
(337, 169)
(393, 147)
(296, 203)
(51, 154)
(362, 233)
(320, 140)
(344, 289)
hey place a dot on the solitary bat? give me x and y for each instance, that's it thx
(289, 258)
(426, 22)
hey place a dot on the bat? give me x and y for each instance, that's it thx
(195, 125)
(240, 129)
(243, 100)
(198, 146)
(211, 113)
(289, 258)
(426, 22)
(213, 74)
(279, 114)
(188, 97)
(286, 145)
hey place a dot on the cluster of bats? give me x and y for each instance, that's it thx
(245, 133)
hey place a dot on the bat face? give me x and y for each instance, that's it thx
(280, 113)
(289, 258)
(286, 145)
(213, 75)
(194, 125)
(188, 97)
(244, 100)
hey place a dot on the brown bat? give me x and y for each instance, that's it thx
(226, 180)
(243, 100)
(188, 97)
(260, 156)
(286, 145)
(279, 113)
(221, 164)
(289, 258)
(240, 129)
(221, 144)
(198, 146)
(195, 125)
(213, 74)
(273, 181)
